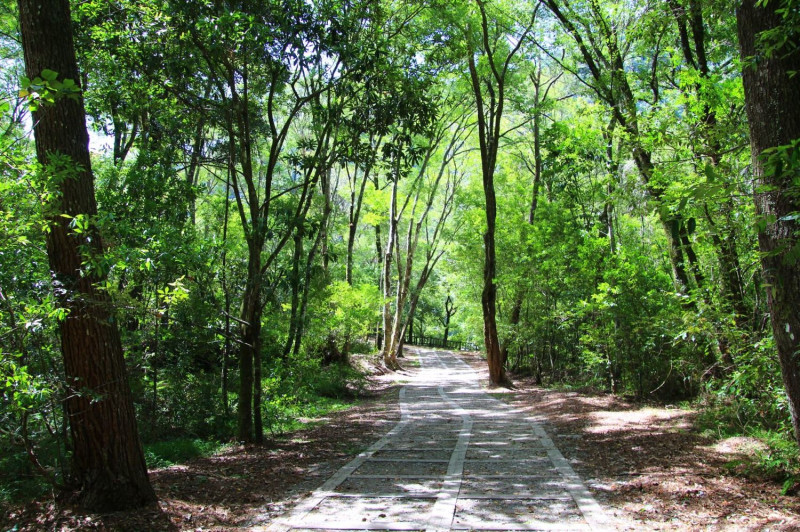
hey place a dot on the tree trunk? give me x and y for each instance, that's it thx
(489, 302)
(108, 465)
(303, 318)
(489, 115)
(728, 257)
(449, 311)
(388, 348)
(605, 61)
(297, 256)
(690, 15)
(227, 295)
(250, 321)
(771, 97)
(356, 201)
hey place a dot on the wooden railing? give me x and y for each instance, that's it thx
(431, 341)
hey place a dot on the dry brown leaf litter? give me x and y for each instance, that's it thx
(645, 464)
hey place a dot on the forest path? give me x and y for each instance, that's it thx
(458, 459)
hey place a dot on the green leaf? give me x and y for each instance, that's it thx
(711, 172)
(49, 75)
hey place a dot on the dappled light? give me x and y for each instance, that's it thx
(439, 264)
(457, 458)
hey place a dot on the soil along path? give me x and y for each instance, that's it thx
(458, 459)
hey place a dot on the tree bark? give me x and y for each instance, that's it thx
(538, 100)
(250, 321)
(297, 257)
(389, 358)
(771, 97)
(449, 311)
(489, 107)
(108, 465)
(690, 15)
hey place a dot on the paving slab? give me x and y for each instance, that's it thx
(458, 459)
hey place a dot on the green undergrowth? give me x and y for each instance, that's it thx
(776, 458)
(286, 414)
(295, 395)
(166, 453)
(19, 478)
(18, 482)
(776, 461)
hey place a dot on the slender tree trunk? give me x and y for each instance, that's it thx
(356, 201)
(250, 323)
(108, 465)
(227, 295)
(537, 179)
(403, 286)
(193, 170)
(689, 15)
(297, 257)
(771, 100)
(489, 296)
(354, 214)
(489, 94)
(388, 334)
(319, 241)
(605, 61)
(728, 257)
(449, 312)
(489, 145)
(301, 324)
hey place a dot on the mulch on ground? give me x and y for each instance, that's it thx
(244, 486)
(645, 463)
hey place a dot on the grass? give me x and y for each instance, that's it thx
(166, 453)
(410, 360)
(287, 414)
(503, 396)
(281, 416)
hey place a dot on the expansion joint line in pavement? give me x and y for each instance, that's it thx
(444, 510)
(328, 488)
(460, 396)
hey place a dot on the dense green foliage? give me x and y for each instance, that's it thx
(257, 165)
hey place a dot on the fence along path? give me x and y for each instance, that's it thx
(458, 459)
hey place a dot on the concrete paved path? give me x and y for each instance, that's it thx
(458, 459)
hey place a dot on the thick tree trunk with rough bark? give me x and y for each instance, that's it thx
(108, 466)
(771, 99)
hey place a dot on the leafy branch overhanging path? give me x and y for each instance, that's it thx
(458, 459)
